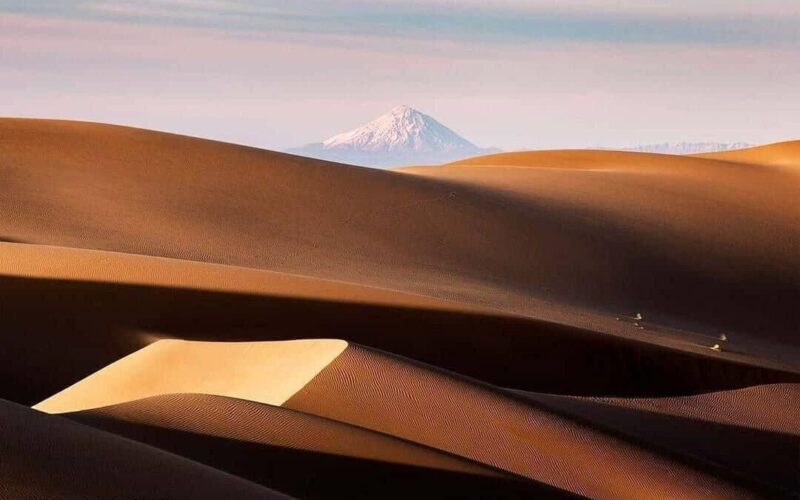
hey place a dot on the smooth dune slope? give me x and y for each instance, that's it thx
(395, 396)
(48, 457)
(672, 235)
(282, 446)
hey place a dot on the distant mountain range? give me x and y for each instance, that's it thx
(403, 136)
(687, 148)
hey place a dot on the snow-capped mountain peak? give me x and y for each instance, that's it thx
(403, 135)
(403, 128)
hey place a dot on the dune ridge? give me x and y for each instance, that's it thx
(491, 426)
(267, 372)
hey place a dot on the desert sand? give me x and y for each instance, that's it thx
(538, 324)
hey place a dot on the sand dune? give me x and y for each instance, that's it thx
(784, 154)
(745, 432)
(50, 457)
(282, 446)
(545, 324)
(490, 426)
(669, 234)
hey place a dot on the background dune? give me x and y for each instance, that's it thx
(452, 233)
(783, 154)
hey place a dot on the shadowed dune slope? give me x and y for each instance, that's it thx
(612, 232)
(49, 457)
(671, 236)
(282, 446)
(752, 433)
(102, 306)
(491, 426)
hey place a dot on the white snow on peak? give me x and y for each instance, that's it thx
(402, 130)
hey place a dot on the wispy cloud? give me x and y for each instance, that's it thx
(506, 22)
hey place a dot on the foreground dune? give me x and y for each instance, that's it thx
(282, 446)
(487, 425)
(226, 322)
(54, 458)
(376, 392)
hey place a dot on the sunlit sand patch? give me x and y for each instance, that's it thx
(264, 372)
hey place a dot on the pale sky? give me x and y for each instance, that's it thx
(507, 73)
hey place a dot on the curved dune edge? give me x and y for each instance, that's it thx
(264, 372)
(769, 407)
(45, 456)
(279, 448)
(389, 394)
(779, 154)
(251, 421)
(609, 160)
(87, 265)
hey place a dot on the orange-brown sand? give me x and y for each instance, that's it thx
(751, 433)
(546, 324)
(283, 447)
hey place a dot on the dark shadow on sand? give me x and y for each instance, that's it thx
(57, 332)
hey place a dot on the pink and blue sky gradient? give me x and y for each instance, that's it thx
(508, 73)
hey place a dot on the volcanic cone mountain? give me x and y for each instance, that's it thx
(403, 136)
